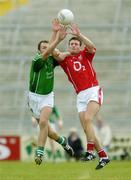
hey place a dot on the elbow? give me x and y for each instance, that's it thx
(92, 49)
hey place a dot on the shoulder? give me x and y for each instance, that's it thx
(88, 54)
(37, 57)
(53, 61)
(87, 51)
(51, 58)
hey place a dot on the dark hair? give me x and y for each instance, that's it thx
(75, 38)
(43, 41)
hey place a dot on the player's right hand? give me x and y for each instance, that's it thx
(55, 25)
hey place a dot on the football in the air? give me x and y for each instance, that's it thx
(65, 16)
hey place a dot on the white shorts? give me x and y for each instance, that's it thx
(37, 102)
(91, 94)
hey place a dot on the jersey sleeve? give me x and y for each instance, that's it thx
(38, 62)
(90, 56)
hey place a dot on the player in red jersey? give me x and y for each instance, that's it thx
(77, 64)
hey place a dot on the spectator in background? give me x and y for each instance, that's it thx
(125, 154)
(103, 132)
(75, 142)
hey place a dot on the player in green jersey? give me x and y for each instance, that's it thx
(41, 96)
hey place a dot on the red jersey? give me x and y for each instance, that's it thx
(79, 70)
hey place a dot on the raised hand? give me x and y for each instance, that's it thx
(55, 25)
(74, 30)
(62, 32)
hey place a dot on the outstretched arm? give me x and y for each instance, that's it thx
(61, 34)
(88, 43)
(55, 29)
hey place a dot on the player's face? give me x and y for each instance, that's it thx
(74, 47)
(43, 47)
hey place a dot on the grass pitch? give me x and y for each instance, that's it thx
(116, 170)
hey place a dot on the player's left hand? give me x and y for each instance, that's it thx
(74, 30)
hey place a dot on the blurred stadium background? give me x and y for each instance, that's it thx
(23, 23)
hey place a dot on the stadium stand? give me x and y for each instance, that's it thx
(8, 5)
(107, 23)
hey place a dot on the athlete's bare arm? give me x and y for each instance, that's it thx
(60, 56)
(59, 37)
(55, 28)
(88, 43)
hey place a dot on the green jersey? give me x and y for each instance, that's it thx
(42, 74)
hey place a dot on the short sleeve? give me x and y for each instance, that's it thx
(90, 56)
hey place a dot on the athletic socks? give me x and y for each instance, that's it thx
(102, 154)
(40, 151)
(90, 146)
(62, 140)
